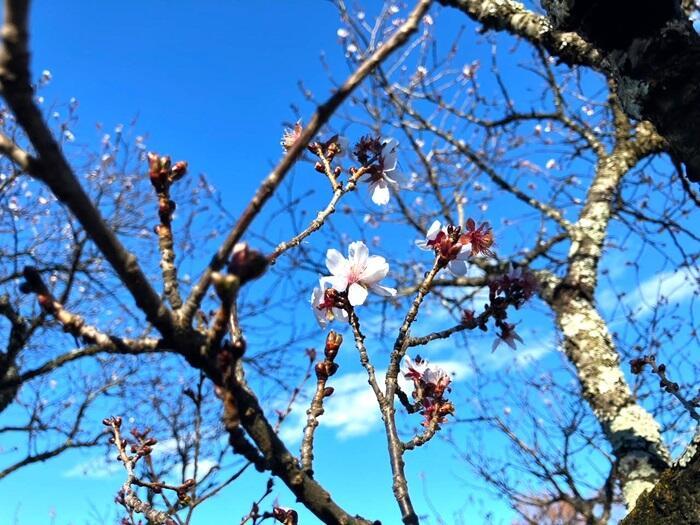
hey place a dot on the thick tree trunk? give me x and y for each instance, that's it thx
(648, 47)
(675, 500)
(633, 433)
(652, 51)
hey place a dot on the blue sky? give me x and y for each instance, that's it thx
(212, 82)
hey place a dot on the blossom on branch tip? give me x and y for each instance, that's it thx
(480, 239)
(291, 135)
(415, 369)
(430, 385)
(435, 380)
(324, 304)
(446, 244)
(357, 274)
(379, 156)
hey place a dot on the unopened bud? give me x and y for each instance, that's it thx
(246, 263)
(179, 170)
(333, 342)
(328, 391)
(321, 370)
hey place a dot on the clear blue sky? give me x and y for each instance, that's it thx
(212, 82)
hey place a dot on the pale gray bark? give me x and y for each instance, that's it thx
(633, 433)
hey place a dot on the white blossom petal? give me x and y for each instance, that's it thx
(389, 151)
(383, 290)
(375, 270)
(433, 231)
(337, 282)
(379, 192)
(358, 253)
(457, 267)
(336, 263)
(316, 298)
(357, 294)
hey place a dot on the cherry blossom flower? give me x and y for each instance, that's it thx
(291, 135)
(430, 384)
(524, 279)
(433, 378)
(517, 285)
(437, 379)
(324, 306)
(415, 369)
(438, 239)
(480, 239)
(357, 274)
(385, 174)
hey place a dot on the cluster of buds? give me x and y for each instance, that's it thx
(515, 287)
(183, 490)
(639, 364)
(247, 264)
(453, 247)
(113, 422)
(144, 443)
(326, 368)
(430, 384)
(163, 174)
(285, 516)
(333, 148)
(511, 289)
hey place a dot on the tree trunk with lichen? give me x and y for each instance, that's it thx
(632, 432)
(634, 435)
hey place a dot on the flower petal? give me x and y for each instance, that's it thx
(379, 192)
(337, 282)
(457, 267)
(465, 252)
(340, 314)
(320, 314)
(336, 263)
(433, 231)
(357, 255)
(383, 290)
(375, 270)
(357, 294)
(389, 151)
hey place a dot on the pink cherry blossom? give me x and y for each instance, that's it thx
(324, 308)
(434, 238)
(357, 274)
(385, 176)
(415, 369)
(291, 135)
